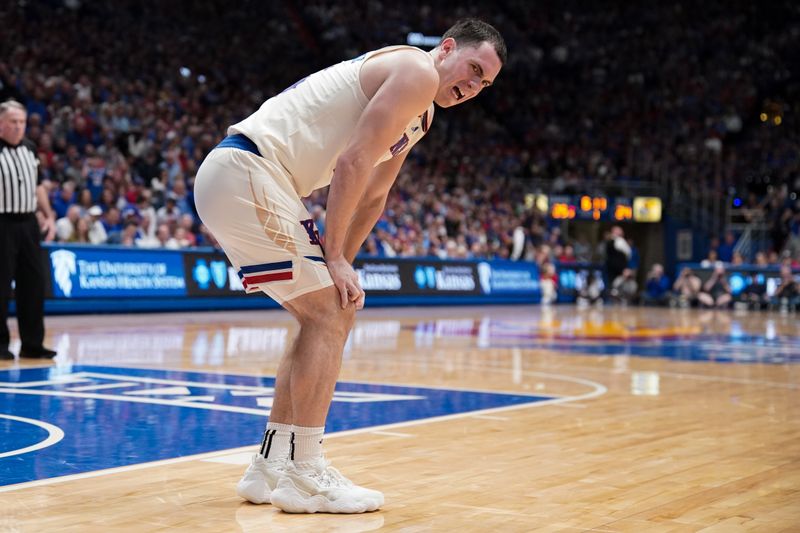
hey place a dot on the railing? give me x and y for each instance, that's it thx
(752, 229)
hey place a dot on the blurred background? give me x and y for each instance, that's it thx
(619, 144)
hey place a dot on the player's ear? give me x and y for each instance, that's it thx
(447, 46)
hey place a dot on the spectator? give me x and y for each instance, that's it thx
(725, 249)
(181, 196)
(179, 239)
(97, 231)
(686, 288)
(754, 295)
(624, 287)
(549, 284)
(710, 260)
(567, 256)
(147, 212)
(66, 225)
(787, 295)
(112, 223)
(656, 290)
(81, 234)
(164, 237)
(169, 212)
(716, 290)
(131, 233)
(186, 222)
(65, 197)
(85, 199)
(591, 292)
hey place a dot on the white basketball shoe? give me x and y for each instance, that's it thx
(260, 479)
(317, 487)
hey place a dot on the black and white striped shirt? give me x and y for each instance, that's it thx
(18, 177)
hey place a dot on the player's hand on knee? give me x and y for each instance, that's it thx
(346, 281)
(358, 298)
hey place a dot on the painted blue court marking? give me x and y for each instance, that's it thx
(713, 349)
(734, 347)
(112, 417)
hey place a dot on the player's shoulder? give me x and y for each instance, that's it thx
(402, 70)
(416, 60)
(406, 60)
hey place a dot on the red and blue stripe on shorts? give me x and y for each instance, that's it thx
(252, 275)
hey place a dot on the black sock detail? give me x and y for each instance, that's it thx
(269, 443)
(264, 442)
(291, 447)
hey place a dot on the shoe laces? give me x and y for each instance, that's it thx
(269, 464)
(275, 464)
(326, 475)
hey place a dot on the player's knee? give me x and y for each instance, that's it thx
(328, 313)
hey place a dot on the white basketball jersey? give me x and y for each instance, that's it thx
(308, 125)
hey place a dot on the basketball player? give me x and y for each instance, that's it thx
(350, 126)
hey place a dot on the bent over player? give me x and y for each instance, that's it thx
(350, 126)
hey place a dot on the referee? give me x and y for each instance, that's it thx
(20, 254)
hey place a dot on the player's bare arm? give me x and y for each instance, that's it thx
(372, 204)
(406, 91)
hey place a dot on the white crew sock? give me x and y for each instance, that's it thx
(306, 443)
(275, 444)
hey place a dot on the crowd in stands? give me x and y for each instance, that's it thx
(126, 98)
(766, 283)
(689, 290)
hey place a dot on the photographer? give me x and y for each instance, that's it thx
(716, 290)
(686, 288)
(754, 295)
(656, 288)
(788, 292)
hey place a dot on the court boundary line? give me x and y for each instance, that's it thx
(563, 377)
(699, 377)
(599, 390)
(54, 435)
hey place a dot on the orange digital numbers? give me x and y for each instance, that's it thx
(563, 211)
(623, 212)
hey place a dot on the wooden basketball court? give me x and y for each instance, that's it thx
(651, 420)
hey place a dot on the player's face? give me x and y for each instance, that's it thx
(12, 126)
(465, 71)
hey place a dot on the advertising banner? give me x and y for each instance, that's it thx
(78, 272)
(210, 274)
(509, 278)
(107, 278)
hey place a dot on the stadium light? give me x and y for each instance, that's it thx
(418, 39)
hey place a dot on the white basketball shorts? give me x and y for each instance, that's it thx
(250, 206)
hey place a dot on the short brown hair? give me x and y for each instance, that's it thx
(473, 32)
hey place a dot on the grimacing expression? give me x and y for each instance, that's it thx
(464, 71)
(12, 125)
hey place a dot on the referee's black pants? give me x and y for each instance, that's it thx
(21, 259)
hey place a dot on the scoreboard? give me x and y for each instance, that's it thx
(618, 209)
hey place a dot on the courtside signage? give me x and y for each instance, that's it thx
(111, 278)
(509, 277)
(90, 273)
